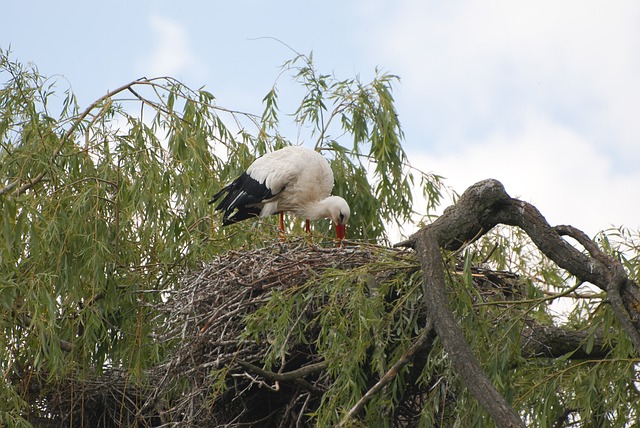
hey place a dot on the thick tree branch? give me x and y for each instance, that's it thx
(295, 376)
(597, 268)
(486, 204)
(481, 207)
(548, 341)
(464, 362)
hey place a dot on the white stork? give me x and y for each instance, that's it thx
(294, 179)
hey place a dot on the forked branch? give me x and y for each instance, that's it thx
(483, 206)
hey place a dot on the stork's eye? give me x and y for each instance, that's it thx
(341, 217)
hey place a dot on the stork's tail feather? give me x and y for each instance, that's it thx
(219, 194)
(239, 215)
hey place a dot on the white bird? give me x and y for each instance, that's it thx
(293, 179)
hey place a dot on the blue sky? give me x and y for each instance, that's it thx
(542, 95)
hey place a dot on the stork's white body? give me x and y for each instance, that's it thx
(292, 179)
(298, 177)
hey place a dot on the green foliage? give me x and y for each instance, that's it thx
(561, 391)
(103, 208)
(358, 325)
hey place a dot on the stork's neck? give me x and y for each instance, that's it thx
(316, 210)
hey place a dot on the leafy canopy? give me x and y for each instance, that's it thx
(104, 206)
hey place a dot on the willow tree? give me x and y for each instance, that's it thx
(107, 242)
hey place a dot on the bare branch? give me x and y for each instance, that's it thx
(549, 341)
(464, 362)
(479, 209)
(287, 376)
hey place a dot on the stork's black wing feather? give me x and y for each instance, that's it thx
(244, 194)
(240, 214)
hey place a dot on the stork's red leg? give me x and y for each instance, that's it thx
(282, 226)
(307, 227)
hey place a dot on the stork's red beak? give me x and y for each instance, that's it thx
(341, 231)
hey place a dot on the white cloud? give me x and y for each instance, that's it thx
(171, 54)
(551, 167)
(543, 96)
(471, 65)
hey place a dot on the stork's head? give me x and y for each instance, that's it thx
(339, 213)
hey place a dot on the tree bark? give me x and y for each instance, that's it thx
(548, 341)
(464, 362)
(481, 207)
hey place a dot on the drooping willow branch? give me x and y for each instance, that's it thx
(66, 137)
(418, 345)
(483, 206)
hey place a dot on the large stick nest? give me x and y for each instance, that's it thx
(207, 315)
(205, 319)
